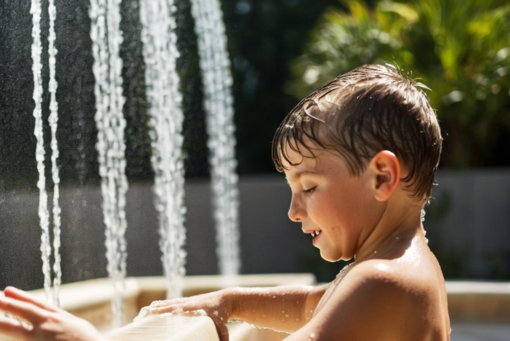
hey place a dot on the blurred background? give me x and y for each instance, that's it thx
(280, 51)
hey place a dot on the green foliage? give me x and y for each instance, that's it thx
(458, 48)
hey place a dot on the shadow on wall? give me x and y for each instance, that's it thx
(468, 223)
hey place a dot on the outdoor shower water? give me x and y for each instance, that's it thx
(165, 121)
(44, 215)
(53, 120)
(106, 38)
(165, 127)
(217, 83)
(35, 10)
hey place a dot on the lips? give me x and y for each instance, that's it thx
(315, 235)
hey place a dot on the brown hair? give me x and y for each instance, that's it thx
(360, 113)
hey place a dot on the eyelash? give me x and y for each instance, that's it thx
(310, 190)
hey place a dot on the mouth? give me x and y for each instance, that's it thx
(315, 235)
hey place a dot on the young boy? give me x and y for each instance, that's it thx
(360, 155)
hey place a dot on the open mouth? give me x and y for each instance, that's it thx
(316, 233)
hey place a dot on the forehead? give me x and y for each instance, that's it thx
(304, 162)
(296, 154)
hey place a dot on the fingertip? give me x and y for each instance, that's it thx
(154, 310)
(12, 291)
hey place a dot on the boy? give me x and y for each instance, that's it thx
(360, 155)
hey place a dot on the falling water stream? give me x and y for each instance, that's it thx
(44, 214)
(106, 38)
(166, 118)
(165, 125)
(217, 82)
(53, 120)
(35, 10)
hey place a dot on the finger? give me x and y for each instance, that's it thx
(167, 302)
(222, 332)
(167, 309)
(13, 328)
(21, 295)
(24, 310)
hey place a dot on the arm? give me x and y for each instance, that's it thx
(45, 322)
(285, 308)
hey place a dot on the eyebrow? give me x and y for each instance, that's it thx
(298, 175)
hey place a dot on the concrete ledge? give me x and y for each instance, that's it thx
(470, 301)
(167, 327)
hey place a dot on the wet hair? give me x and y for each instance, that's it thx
(360, 113)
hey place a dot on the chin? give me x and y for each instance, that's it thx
(331, 258)
(334, 257)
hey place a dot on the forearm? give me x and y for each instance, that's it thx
(285, 308)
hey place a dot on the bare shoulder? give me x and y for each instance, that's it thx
(414, 278)
(383, 300)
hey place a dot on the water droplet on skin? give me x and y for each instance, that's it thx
(286, 315)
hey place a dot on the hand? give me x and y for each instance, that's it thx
(217, 305)
(47, 322)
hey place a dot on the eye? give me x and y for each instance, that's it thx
(310, 190)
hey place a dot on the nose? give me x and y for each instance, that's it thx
(296, 211)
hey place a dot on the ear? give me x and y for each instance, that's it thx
(385, 169)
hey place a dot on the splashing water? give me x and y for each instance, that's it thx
(217, 82)
(106, 38)
(166, 118)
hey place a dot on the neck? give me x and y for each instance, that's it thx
(392, 235)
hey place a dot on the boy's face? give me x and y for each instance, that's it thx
(328, 200)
